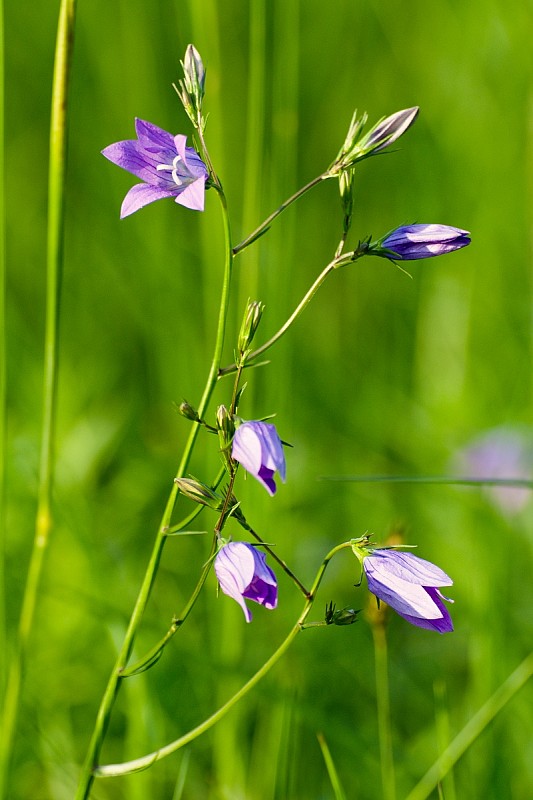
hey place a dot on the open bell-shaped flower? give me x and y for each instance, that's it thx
(243, 574)
(408, 584)
(257, 446)
(165, 165)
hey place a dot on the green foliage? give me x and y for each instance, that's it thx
(380, 375)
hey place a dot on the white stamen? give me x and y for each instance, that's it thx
(172, 168)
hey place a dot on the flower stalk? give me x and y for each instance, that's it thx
(104, 713)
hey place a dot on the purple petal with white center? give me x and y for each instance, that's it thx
(167, 167)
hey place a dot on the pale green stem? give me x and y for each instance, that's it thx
(114, 770)
(106, 705)
(473, 729)
(261, 229)
(3, 360)
(304, 302)
(383, 704)
(43, 523)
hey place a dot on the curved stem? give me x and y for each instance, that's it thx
(339, 261)
(261, 229)
(106, 705)
(54, 256)
(114, 770)
(153, 655)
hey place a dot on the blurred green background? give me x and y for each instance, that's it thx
(382, 375)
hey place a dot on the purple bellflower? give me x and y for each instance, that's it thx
(165, 165)
(409, 585)
(242, 573)
(257, 446)
(410, 242)
(501, 453)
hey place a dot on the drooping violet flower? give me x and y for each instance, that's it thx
(410, 242)
(165, 165)
(409, 585)
(242, 573)
(257, 446)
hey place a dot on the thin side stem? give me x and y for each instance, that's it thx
(295, 314)
(268, 221)
(114, 770)
(106, 706)
(54, 255)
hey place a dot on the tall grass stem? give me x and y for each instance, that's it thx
(54, 257)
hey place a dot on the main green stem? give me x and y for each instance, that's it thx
(106, 706)
(54, 254)
(114, 770)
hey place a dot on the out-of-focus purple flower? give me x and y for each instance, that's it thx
(257, 446)
(242, 573)
(500, 453)
(410, 242)
(409, 585)
(165, 165)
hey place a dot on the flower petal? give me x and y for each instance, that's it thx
(408, 567)
(193, 195)
(403, 596)
(151, 136)
(141, 195)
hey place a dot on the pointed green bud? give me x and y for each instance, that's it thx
(226, 432)
(381, 135)
(199, 492)
(346, 616)
(187, 411)
(250, 323)
(192, 86)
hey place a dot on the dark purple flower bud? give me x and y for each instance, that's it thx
(165, 165)
(410, 242)
(257, 446)
(242, 573)
(409, 585)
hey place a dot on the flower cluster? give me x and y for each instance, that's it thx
(168, 168)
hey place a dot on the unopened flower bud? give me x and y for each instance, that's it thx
(250, 323)
(191, 88)
(199, 492)
(411, 242)
(187, 411)
(380, 136)
(345, 616)
(194, 72)
(226, 432)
